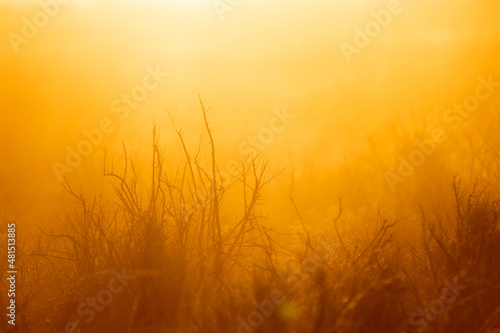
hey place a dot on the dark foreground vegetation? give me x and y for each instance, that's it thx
(168, 259)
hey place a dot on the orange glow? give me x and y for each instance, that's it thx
(384, 104)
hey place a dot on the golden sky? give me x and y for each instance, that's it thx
(299, 81)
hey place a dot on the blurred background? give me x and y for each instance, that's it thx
(349, 119)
